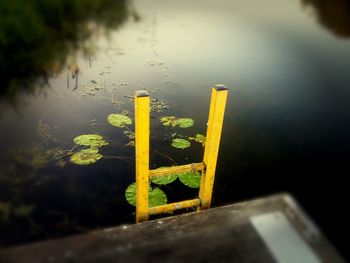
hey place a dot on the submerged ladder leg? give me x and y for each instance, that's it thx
(142, 133)
(215, 121)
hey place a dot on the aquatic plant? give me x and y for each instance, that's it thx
(168, 121)
(184, 122)
(131, 136)
(180, 143)
(190, 179)
(119, 120)
(173, 121)
(164, 179)
(86, 156)
(158, 105)
(92, 140)
(46, 32)
(156, 196)
(33, 157)
(198, 138)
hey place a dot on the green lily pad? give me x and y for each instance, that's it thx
(180, 143)
(173, 121)
(92, 140)
(119, 120)
(168, 121)
(163, 180)
(184, 122)
(86, 156)
(191, 179)
(156, 196)
(199, 138)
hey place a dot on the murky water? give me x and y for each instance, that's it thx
(286, 125)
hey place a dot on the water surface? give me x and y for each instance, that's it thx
(286, 125)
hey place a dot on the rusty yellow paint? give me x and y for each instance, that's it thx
(177, 169)
(142, 133)
(212, 143)
(168, 208)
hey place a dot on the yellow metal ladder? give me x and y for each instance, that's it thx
(206, 167)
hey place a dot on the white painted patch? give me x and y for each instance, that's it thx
(284, 242)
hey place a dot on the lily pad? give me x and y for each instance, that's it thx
(168, 121)
(184, 122)
(164, 179)
(158, 105)
(156, 196)
(119, 120)
(92, 140)
(173, 121)
(86, 156)
(199, 138)
(191, 179)
(180, 143)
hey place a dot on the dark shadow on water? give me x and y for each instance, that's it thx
(334, 15)
(36, 36)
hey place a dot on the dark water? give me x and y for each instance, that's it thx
(286, 126)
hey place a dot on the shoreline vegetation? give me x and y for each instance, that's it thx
(37, 37)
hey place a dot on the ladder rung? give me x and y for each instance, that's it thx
(173, 206)
(177, 169)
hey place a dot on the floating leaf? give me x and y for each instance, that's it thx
(168, 121)
(119, 120)
(92, 140)
(86, 156)
(164, 179)
(191, 179)
(158, 105)
(156, 196)
(23, 210)
(184, 122)
(199, 138)
(173, 121)
(180, 143)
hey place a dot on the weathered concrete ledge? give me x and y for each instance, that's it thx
(233, 233)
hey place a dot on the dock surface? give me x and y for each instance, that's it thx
(270, 229)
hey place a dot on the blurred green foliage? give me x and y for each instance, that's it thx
(37, 35)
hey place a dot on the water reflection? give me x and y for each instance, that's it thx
(36, 36)
(334, 15)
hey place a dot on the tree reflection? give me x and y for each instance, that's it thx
(37, 35)
(334, 15)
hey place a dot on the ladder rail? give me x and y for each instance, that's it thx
(198, 167)
(169, 208)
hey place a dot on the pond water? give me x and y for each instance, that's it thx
(286, 126)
